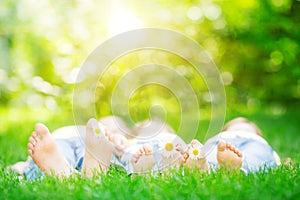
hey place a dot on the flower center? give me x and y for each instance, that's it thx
(169, 146)
(195, 152)
(97, 131)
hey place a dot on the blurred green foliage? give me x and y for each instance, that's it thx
(255, 44)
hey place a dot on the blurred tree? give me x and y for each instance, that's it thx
(255, 44)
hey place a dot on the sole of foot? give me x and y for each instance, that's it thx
(228, 156)
(190, 161)
(45, 154)
(98, 149)
(143, 159)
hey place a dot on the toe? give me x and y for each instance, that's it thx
(110, 137)
(34, 134)
(147, 149)
(231, 147)
(106, 131)
(141, 151)
(120, 147)
(186, 156)
(135, 158)
(228, 146)
(30, 146)
(195, 142)
(221, 146)
(240, 154)
(179, 149)
(236, 151)
(30, 149)
(92, 123)
(30, 152)
(32, 141)
(41, 129)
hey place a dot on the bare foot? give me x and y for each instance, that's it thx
(119, 141)
(191, 157)
(183, 152)
(98, 150)
(228, 156)
(45, 154)
(143, 159)
(19, 167)
(172, 151)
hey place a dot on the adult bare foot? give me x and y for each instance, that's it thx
(45, 154)
(98, 150)
(143, 159)
(228, 156)
(19, 167)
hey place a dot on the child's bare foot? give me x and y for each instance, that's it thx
(98, 150)
(143, 159)
(119, 141)
(228, 156)
(192, 158)
(183, 152)
(45, 154)
(172, 151)
(172, 160)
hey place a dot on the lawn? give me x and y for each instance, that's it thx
(281, 129)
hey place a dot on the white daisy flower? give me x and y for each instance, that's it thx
(169, 150)
(98, 129)
(194, 152)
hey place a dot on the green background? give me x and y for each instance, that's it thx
(255, 44)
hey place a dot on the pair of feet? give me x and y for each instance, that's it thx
(228, 156)
(45, 153)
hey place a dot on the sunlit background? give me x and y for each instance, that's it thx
(255, 45)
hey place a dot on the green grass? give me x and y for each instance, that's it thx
(282, 183)
(282, 132)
